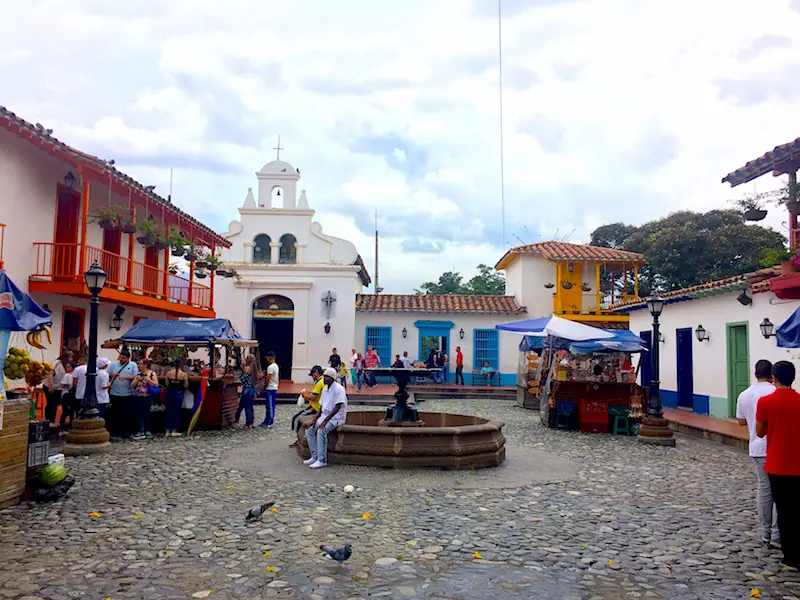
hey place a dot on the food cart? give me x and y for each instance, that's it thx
(216, 389)
(583, 378)
(18, 313)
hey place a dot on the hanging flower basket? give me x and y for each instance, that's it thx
(178, 251)
(145, 240)
(223, 273)
(567, 285)
(190, 255)
(585, 287)
(160, 244)
(201, 274)
(549, 285)
(201, 264)
(130, 228)
(754, 214)
(107, 224)
(173, 269)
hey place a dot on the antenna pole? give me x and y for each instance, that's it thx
(502, 161)
(377, 287)
(169, 196)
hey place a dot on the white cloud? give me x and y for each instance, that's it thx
(614, 111)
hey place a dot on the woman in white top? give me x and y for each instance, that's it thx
(352, 363)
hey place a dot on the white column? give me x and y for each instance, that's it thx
(274, 253)
(248, 252)
(300, 253)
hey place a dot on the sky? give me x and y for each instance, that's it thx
(621, 110)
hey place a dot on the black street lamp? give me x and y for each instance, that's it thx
(95, 279)
(654, 409)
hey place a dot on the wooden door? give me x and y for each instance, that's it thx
(112, 245)
(151, 272)
(738, 362)
(65, 237)
(683, 340)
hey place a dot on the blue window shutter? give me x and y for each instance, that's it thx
(485, 348)
(380, 338)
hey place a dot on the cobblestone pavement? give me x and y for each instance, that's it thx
(617, 519)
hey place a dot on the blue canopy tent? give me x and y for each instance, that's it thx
(185, 332)
(788, 334)
(18, 312)
(622, 341)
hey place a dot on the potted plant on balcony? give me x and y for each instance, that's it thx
(148, 232)
(173, 269)
(785, 258)
(113, 217)
(213, 262)
(201, 262)
(177, 241)
(201, 273)
(191, 253)
(549, 285)
(160, 242)
(586, 287)
(567, 285)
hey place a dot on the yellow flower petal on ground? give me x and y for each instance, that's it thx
(270, 569)
(609, 561)
(137, 516)
(477, 555)
(274, 509)
(366, 516)
(754, 593)
(95, 514)
(267, 554)
(229, 486)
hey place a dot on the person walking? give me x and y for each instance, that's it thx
(177, 381)
(746, 415)
(360, 372)
(271, 387)
(145, 388)
(406, 360)
(459, 365)
(352, 363)
(335, 360)
(67, 387)
(52, 388)
(778, 419)
(333, 413)
(442, 361)
(123, 407)
(102, 383)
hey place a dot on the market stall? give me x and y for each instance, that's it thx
(583, 378)
(18, 313)
(213, 385)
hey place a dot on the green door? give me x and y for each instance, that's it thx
(738, 363)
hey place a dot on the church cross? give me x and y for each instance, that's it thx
(278, 147)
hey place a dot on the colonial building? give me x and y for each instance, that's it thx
(52, 198)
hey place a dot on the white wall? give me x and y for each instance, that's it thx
(508, 342)
(710, 357)
(525, 279)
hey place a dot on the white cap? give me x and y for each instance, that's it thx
(102, 363)
(331, 373)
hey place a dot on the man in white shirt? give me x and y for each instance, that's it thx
(271, 389)
(52, 388)
(352, 364)
(406, 361)
(102, 383)
(746, 415)
(79, 377)
(334, 413)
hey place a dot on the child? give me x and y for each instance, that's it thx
(67, 398)
(343, 373)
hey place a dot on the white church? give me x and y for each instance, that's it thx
(300, 292)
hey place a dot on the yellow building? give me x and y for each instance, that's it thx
(573, 281)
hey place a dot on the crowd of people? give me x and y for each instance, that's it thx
(770, 408)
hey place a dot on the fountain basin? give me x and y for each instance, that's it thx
(441, 440)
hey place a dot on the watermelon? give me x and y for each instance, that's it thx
(53, 474)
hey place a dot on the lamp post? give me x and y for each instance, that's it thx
(89, 435)
(655, 428)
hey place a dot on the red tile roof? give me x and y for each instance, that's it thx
(575, 252)
(20, 126)
(776, 159)
(754, 281)
(435, 303)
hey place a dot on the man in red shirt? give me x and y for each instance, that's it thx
(459, 365)
(778, 414)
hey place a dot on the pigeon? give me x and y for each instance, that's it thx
(338, 554)
(283, 170)
(254, 514)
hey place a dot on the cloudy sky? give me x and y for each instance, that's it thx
(615, 110)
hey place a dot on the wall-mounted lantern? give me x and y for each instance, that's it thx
(116, 320)
(701, 333)
(69, 181)
(767, 328)
(405, 333)
(327, 328)
(461, 333)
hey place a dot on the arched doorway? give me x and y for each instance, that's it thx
(273, 327)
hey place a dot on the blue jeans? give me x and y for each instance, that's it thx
(143, 404)
(360, 380)
(246, 405)
(271, 402)
(173, 416)
(102, 410)
(444, 374)
(317, 439)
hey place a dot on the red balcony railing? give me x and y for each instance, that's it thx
(59, 263)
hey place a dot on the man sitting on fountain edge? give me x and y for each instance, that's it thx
(334, 413)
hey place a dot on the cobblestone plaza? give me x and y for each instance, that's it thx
(568, 516)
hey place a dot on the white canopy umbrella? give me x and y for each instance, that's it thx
(565, 329)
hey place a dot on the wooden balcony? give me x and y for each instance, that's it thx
(58, 270)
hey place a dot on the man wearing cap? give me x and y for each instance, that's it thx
(102, 385)
(121, 373)
(311, 397)
(332, 414)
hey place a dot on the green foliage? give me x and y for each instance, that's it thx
(175, 238)
(486, 282)
(772, 256)
(687, 248)
(113, 215)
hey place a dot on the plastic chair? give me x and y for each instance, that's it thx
(621, 423)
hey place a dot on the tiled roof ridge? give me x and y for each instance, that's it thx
(47, 135)
(568, 251)
(440, 303)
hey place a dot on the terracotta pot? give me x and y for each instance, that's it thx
(787, 267)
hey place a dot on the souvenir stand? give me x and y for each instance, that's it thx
(18, 312)
(216, 390)
(584, 379)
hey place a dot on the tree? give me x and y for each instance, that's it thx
(687, 248)
(486, 282)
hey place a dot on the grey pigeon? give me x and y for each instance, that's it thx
(338, 554)
(254, 514)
